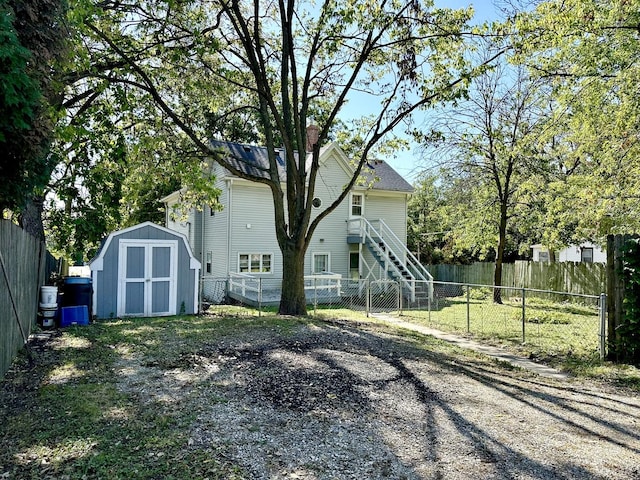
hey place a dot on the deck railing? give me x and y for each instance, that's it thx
(328, 282)
(324, 281)
(242, 283)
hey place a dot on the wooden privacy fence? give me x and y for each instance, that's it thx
(24, 267)
(569, 277)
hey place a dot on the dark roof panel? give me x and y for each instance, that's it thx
(253, 160)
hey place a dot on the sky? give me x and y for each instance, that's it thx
(408, 163)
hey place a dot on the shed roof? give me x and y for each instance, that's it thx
(96, 263)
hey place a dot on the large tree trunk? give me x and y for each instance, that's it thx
(502, 243)
(293, 300)
(31, 217)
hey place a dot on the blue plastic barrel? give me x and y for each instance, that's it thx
(78, 291)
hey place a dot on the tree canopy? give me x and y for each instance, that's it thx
(266, 68)
(588, 53)
(32, 41)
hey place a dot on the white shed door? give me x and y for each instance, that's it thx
(147, 271)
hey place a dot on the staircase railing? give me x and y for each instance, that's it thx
(411, 262)
(378, 232)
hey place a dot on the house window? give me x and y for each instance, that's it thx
(586, 255)
(254, 263)
(543, 256)
(321, 263)
(209, 261)
(356, 205)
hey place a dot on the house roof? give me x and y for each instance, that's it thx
(253, 160)
(385, 177)
(250, 159)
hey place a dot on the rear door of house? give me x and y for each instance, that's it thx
(147, 277)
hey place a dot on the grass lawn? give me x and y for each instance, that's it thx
(550, 329)
(79, 413)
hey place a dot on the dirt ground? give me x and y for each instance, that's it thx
(337, 401)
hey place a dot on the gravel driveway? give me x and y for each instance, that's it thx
(331, 401)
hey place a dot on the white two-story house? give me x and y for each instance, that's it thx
(364, 238)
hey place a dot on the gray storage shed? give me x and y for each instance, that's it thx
(146, 271)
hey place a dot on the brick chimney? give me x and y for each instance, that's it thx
(313, 132)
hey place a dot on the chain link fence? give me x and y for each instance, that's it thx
(545, 322)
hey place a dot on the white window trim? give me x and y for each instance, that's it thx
(582, 256)
(262, 254)
(361, 195)
(208, 266)
(313, 261)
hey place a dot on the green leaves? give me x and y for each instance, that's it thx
(588, 52)
(628, 332)
(20, 99)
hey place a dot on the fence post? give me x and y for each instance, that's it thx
(468, 313)
(399, 298)
(429, 305)
(315, 295)
(367, 303)
(603, 325)
(259, 297)
(523, 314)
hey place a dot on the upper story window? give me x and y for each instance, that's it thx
(254, 263)
(356, 204)
(586, 255)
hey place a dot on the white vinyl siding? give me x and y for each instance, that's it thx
(181, 223)
(252, 227)
(214, 232)
(391, 209)
(331, 235)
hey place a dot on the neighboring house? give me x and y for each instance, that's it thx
(586, 252)
(365, 237)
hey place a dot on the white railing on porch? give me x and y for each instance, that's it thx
(241, 283)
(324, 281)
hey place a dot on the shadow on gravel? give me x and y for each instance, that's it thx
(349, 402)
(343, 371)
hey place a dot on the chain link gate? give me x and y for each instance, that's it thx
(384, 296)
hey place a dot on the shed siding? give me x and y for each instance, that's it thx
(106, 304)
